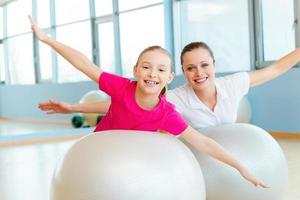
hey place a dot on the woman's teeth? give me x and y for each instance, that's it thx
(201, 80)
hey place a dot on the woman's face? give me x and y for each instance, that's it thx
(198, 68)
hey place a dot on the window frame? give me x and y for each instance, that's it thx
(260, 62)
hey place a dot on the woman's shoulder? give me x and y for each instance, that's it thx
(233, 77)
(180, 90)
(236, 84)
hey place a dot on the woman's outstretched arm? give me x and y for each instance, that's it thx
(274, 70)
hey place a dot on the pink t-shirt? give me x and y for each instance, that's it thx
(124, 113)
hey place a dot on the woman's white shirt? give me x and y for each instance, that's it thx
(230, 91)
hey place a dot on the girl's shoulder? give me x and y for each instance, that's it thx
(165, 104)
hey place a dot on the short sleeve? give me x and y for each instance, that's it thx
(174, 123)
(176, 97)
(112, 84)
(237, 84)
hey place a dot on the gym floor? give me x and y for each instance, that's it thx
(26, 169)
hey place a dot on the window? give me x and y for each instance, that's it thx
(103, 7)
(43, 13)
(106, 46)
(277, 26)
(2, 69)
(78, 36)
(20, 62)
(223, 25)
(17, 17)
(140, 29)
(126, 5)
(1, 23)
(71, 10)
(45, 58)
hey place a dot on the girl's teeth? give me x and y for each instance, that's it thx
(151, 82)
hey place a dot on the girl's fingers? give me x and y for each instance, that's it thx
(54, 102)
(51, 112)
(263, 185)
(30, 19)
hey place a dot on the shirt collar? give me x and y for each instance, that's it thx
(195, 103)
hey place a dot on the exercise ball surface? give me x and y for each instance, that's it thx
(90, 119)
(244, 111)
(128, 165)
(257, 151)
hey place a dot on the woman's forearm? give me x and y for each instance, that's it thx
(275, 69)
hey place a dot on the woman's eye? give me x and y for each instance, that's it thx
(145, 67)
(162, 70)
(204, 65)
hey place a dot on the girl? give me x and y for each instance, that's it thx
(139, 105)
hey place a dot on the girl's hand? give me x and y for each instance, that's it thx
(252, 179)
(54, 107)
(37, 31)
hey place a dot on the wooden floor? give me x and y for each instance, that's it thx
(17, 126)
(26, 170)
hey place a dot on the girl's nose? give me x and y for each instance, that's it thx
(152, 73)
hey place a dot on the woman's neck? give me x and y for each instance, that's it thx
(208, 97)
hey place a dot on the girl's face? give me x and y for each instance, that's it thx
(198, 68)
(153, 72)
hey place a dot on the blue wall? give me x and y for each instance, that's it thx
(275, 105)
(22, 100)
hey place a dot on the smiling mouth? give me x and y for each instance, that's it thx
(151, 83)
(201, 80)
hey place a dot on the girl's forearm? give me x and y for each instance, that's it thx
(100, 107)
(212, 148)
(207, 145)
(215, 150)
(76, 58)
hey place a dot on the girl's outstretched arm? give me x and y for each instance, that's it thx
(274, 70)
(77, 59)
(212, 148)
(59, 107)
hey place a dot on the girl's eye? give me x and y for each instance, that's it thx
(204, 65)
(190, 69)
(162, 70)
(145, 67)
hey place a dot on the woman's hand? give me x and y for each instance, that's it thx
(55, 107)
